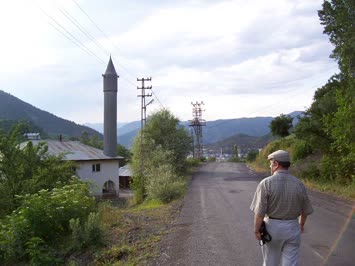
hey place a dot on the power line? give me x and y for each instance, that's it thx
(104, 34)
(72, 38)
(83, 30)
(156, 97)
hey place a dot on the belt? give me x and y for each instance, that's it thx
(274, 218)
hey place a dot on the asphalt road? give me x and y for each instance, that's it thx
(215, 226)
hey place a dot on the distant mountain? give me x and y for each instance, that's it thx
(12, 108)
(244, 143)
(214, 131)
(129, 127)
(100, 126)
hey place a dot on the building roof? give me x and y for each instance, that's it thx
(125, 171)
(73, 150)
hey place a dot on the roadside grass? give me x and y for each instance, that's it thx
(341, 190)
(131, 234)
(148, 205)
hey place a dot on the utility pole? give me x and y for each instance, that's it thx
(197, 123)
(143, 95)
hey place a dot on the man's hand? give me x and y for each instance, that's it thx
(257, 224)
(302, 228)
(302, 221)
(257, 235)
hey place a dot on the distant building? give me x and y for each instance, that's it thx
(29, 136)
(125, 176)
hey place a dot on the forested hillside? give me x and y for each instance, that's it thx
(244, 143)
(214, 131)
(12, 108)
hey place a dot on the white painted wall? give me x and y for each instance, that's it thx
(108, 171)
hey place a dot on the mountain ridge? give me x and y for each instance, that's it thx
(13, 108)
(216, 130)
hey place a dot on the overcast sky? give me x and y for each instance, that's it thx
(241, 58)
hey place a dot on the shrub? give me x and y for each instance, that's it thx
(86, 234)
(39, 253)
(281, 144)
(192, 162)
(251, 156)
(301, 149)
(211, 159)
(164, 185)
(42, 220)
(92, 230)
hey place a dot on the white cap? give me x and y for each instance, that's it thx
(280, 156)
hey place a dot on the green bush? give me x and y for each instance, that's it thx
(92, 230)
(211, 159)
(251, 156)
(86, 234)
(280, 144)
(40, 254)
(77, 236)
(301, 149)
(43, 220)
(192, 162)
(164, 185)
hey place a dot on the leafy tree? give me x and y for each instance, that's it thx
(338, 18)
(340, 127)
(96, 142)
(162, 145)
(311, 127)
(84, 138)
(124, 152)
(27, 169)
(8, 126)
(162, 129)
(281, 125)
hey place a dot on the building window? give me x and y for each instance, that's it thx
(96, 167)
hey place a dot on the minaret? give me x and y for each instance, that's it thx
(110, 110)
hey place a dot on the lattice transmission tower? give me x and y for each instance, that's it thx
(196, 124)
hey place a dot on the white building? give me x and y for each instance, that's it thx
(91, 164)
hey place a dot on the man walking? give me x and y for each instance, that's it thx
(281, 198)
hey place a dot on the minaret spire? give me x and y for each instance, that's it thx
(110, 110)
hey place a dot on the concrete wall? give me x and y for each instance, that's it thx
(108, 171)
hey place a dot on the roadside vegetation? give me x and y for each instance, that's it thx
(49, 217)
(159, 158)
(322, 144)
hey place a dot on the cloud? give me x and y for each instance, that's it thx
(242, 58)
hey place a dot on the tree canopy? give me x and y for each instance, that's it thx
(27, 170)
(160, 149)
(328, 125)
(281, 125)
